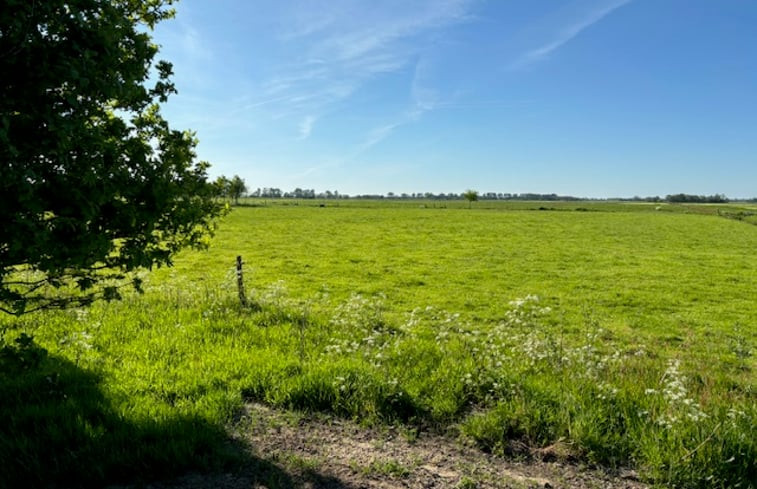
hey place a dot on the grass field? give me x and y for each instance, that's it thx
(620, 334)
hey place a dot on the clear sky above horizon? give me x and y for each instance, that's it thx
(594, 98)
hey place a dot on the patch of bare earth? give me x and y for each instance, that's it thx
(292, 450)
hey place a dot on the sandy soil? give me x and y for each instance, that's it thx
(294, 450)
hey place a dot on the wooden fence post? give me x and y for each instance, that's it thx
(240, 282)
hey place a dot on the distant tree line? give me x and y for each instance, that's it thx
(298, 193)
(679, 198)
(462, 196)
(235, 188)
(699, 199)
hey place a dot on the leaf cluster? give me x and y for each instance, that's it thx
(94, 184)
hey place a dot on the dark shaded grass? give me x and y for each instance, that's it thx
(60, 430)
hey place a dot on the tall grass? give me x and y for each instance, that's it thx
(150, 383)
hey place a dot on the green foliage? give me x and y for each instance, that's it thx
(232, 189)
(471, 196)
(221, 186)
(391, 468)
(466, 483)
(94, 184)
(710, 199)
(237, 188)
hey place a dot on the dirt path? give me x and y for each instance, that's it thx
(322, 452)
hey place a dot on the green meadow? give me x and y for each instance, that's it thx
(620, 335)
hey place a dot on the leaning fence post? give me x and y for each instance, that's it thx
(240, 282)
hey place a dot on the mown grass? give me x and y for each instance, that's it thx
(626, 338)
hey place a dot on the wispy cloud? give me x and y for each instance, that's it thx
(306, 126)
(373, 137)
(341, 45)
(310, 60)
(193, 45)
(376, 135)
(571, 29)
(424, 97)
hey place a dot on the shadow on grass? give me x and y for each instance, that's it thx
(58, 430)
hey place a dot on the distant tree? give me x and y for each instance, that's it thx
(237, 188)
(222, 186)
(271, 193)
(471, 196)
(94, 184)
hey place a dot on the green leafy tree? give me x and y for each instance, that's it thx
(94, 184)
(237, 188)
(222, 186)
(471, 196)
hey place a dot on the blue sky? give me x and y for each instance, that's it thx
(595, 98)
